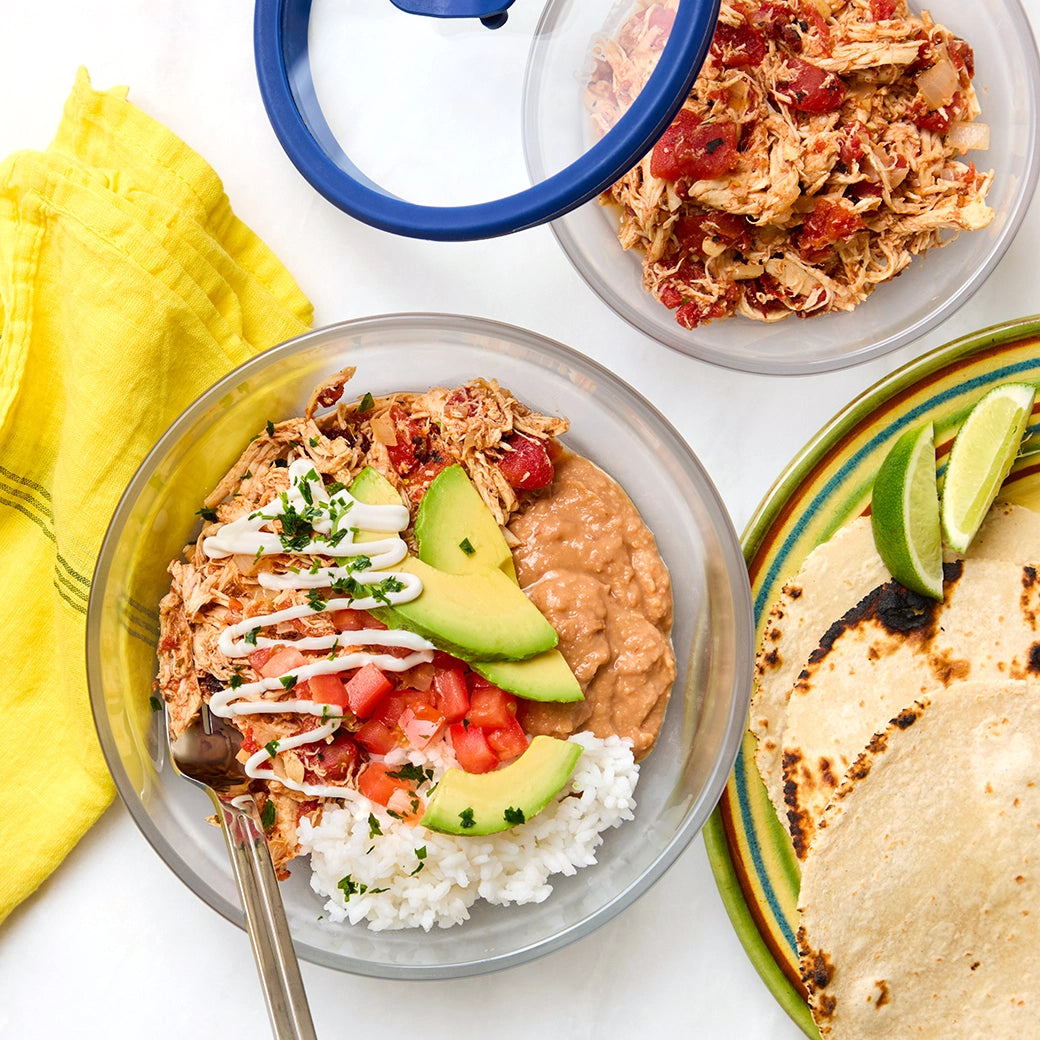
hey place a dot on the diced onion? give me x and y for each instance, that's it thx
(383, 430)
(967, 137)
(939, 82)
(741, 272)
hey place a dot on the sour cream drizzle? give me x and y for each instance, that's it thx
(314, 523)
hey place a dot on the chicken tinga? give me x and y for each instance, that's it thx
(352, 606)
(820, 149)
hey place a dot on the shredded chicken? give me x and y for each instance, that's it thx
(407, 437)
(812, 160)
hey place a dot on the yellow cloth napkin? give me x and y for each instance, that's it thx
(127, 286)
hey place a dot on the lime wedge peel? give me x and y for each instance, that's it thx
(980, 459)
(905, 513)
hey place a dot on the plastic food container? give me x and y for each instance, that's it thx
(1007, 82)
(680, 780)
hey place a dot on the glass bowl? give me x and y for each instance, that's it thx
(713, 633)
(1007, 81)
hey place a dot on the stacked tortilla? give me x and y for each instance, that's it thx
(899, 740)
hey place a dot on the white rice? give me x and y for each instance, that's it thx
(408, 876)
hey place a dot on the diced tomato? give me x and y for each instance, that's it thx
(274, 662)
(738, 45)
(404, 454)
(376, 737)
(882, 9)
(670, 296)
(507, 742)
(854, 140)
(365, 688)
(962, 55)
(338, 760)
(726, 229)
(328, 689)
(828, 222)
(353, 620)
(526, 464)
(490, 707)
(662, 18)
(421, 723)
(388, 709)
(691, 314)
(377, 783)
(690, 148)
(474, 753)
(810, 88)
(442, 659)
(937, 120)
(451, 694)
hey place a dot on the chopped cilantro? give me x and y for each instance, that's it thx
(349, 887)
(373, 826)
(335, 486)
(207, 514)
(155, 703)
(270, 428)
(235, 681)
(271, 747)
(466, 816)
(420, 855)
(281, 463)
(315, 601)
(514, 817)
(385, 588)
(267, 815)
(314, 441)
(467, 547)
(411, 773)
(288, 681)
(368, 402)
(250, 636)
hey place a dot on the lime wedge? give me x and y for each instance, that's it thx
(981, 456)
(904, 513)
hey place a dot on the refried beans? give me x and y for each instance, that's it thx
(590, 564)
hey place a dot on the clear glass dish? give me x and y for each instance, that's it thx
(1007, 80)
(713, 634)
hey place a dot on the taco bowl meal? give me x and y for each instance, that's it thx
(896, 738)
(444, 638)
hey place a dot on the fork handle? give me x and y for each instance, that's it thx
(265, 920)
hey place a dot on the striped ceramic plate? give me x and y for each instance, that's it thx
(826, 485)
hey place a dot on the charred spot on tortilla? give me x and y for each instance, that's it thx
(819, 970)
(1034, 659)
(895, 608)
(906, 718)
(1029, 576)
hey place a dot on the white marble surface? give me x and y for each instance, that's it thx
(114, 945)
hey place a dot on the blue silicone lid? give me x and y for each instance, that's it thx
(283, 43)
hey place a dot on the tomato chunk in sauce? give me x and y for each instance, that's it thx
(690, 148)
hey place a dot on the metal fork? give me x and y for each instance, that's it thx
(205, 755)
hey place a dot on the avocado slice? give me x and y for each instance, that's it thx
(455, 529)
(544, 677)
(457, 532)
(481, 616)
(485, 803)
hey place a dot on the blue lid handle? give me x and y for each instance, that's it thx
(491, 12)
